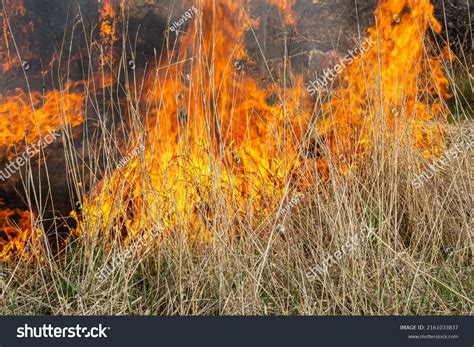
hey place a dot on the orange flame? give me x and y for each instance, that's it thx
(213, 128)
(108, 35)
(106, 18)
(24, 117)
(286, 7)
(217, 140)
(396, 88)
(15, 235)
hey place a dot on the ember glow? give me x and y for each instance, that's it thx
(213, 139)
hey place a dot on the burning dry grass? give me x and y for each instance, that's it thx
(223, 167)
(418, 262)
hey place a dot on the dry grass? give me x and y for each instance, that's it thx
(419, 260)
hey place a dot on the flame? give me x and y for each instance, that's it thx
(396, 88)
(17, 8)
(286, 7)
(213, 130)
(106, 19)
(216, 139)
(24, 119)
(108, 34)
(15, 232)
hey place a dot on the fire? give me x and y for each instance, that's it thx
(25, 116)
(106, 19)
(286, 7)
(396, 88)
(217, 139)
(7, 61)
(213, 129)
(108, 34)
(15, 232)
